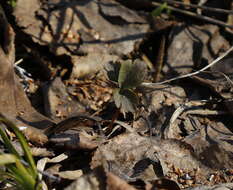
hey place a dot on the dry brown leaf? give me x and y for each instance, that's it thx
(57, 99)
(123, 154)
(72, 175)
(42, 162)
(14, 103)
(161, 104)
(36, 151)
(213, 145)
(90, 32)
(116, 183)
(41, 152)
(196, 43)
(92, 181)
(224, 186)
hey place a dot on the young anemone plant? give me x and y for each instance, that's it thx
(158, 11)
(126, 77)
(19, 171)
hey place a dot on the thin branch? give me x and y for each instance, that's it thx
(208, 19)
(18, 62)
(211, 9)
(205, 112)
(190, 74)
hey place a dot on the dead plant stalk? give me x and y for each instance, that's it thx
(152, 85)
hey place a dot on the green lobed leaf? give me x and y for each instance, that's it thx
(125, 69)
(131, 74)
(126, 100)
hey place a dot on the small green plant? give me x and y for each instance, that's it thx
(12, 3)
(126, 76)
(157, 12)
(19, 171)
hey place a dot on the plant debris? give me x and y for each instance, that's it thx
(114, 94)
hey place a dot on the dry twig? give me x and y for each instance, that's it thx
(211, 9)
(205, 18)
(153, 85)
